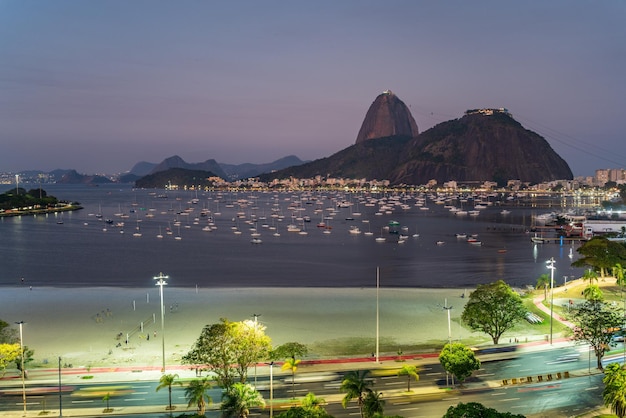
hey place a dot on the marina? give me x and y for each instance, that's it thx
(267, 238)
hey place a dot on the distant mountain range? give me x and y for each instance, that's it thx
(228, 172)
(483, 145)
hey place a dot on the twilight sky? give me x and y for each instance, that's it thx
(100, 85)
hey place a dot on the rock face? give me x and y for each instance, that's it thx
(483, 145)
(388, 116)
(479, 147)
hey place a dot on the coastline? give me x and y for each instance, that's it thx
(89, 326)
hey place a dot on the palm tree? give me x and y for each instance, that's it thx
(196, 394)
(312, 401)
(167, 380)
(543, 281)
(614, 393)
(593, 293)
(373, 405)
(409, 371)
(618, 272)
(106, 398)
(355, 386)
(291, 364)
(590, 275)
(239, 398)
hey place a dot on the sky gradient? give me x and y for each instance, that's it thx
(101, 85)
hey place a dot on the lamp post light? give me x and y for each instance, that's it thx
(550, 264)
(21, 323)
(160, 281)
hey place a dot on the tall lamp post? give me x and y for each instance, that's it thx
(550, 264)
(21, 323)
(256, 321)
(160, 281)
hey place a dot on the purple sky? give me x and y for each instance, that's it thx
(100, 85)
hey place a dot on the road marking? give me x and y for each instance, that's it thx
(134, 399)
(393, 383)
(140, 387)
(485, 375)
(410, 409)
(593, 388)
(88, 401)
(509, 399)
(433, 374)
(140, 393)
(449, 399)
(498, 394)
(388, 377)
(401, 403)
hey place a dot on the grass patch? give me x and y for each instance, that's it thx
(87, 377)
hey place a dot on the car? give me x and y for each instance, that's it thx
(618, 339)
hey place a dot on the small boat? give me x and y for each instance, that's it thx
(440, 242)
(256, 241)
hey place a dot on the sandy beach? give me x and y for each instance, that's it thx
(90, 326)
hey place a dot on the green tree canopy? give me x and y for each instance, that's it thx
(290, 349)
(459, 360)
(8, 354)
(493, 309)
(230, 348)
(239, 399)
(8, 335)
(600, 254)
(543, 282)
(167, 381)
(355, 385)
(595, 322)
(475, 409)
(196, 394)
(614, 393)
(410, 371)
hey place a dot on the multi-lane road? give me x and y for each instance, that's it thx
(431, 395)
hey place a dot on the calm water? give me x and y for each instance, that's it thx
(77, 252)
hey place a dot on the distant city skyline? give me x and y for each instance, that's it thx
(100, 86)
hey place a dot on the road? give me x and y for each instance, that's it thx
(431, 395)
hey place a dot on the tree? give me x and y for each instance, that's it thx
(594, 322)
(356, 386)
(8, 354)
(230, 348)
(543, 282)
(459, 360)
(373, 405)
(239, 398)
(8, 335)
(618, 273)
(493, 309)
(290, 349)
(28, 357)
(106, 398)
(590, 275)
(600, 254)
(614, 393)
(196, 394)
(593, 292)
(409, 371)
(311, 407)
(291, 364)
(167, 380)
(475, 409)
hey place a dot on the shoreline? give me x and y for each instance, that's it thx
(89, 326)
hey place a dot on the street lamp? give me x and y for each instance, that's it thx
(271, 389)
(160, 281)
(550, 264)
(256, 317)
(21, 323)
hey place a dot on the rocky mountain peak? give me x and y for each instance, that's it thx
(387, 116)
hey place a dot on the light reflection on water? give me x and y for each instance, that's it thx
(79, 253)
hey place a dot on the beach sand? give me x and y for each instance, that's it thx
(89, 326)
